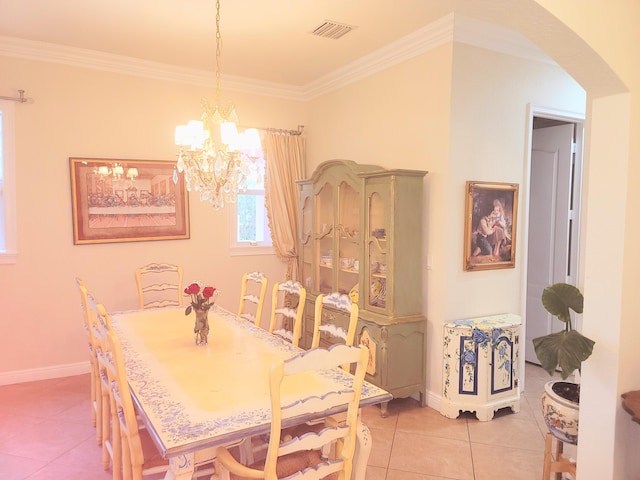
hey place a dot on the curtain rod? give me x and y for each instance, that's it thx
(281, 131)
(21, 98)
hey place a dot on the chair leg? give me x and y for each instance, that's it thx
(127, 468)
(116, 442)
(106, 428)
(98, 414)
(362, 452)
(94, 400)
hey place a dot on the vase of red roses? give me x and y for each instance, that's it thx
(201, 302)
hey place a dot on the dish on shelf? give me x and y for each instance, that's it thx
(378, 292)
(326, 260)
(346, 262)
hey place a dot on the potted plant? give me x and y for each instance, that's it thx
(566, 350)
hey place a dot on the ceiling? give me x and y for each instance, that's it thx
(268, 41)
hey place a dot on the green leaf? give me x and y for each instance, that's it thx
(566, 349)
(559, 298)
(188, 310)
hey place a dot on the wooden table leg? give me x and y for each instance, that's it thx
(180, 467)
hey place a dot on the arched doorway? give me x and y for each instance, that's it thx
(607, 143)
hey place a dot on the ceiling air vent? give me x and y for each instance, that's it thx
(333, 30)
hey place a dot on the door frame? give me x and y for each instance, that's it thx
(579, 120)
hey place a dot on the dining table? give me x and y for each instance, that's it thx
(194, 398)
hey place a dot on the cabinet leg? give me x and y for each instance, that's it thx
(384, 413)
(484, 414)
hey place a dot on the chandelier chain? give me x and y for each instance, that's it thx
(218, 49)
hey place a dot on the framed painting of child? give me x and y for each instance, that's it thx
(490, 225)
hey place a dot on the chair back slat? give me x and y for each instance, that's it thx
(287, 307)
(320, 471)
(318, 404)
(312, 440)
(252, 294)
(159, 285)
(323, 319)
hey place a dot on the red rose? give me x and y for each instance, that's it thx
(192, 289)
(208, 292)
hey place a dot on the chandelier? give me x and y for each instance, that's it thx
(215, 159)
(116, 171)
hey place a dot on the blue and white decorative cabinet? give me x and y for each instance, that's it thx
(481, 358)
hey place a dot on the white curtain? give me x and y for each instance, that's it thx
(285, 163)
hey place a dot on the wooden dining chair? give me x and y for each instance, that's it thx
(101, 327)
(159, 285)
(95, 396)
(140, 457)
(324, 321)
(134, 454)
(287, 307)
(301, 455)
(252, 293)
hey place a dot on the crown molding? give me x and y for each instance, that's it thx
(451, 28)
(427, 38)
(499, 39)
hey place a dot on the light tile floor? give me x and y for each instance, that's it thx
(46, 434)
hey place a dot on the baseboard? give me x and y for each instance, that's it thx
(32, 375)
(431, 399)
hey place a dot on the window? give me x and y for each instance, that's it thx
(250, 233)
(8, 250)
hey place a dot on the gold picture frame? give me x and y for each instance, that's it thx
(127, 201)
(490, 225)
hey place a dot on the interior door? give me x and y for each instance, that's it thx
(549, 229)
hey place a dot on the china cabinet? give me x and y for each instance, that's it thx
(481, 360)
(361, 234)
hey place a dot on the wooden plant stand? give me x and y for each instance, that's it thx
(557, 463)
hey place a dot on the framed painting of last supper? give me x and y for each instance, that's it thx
(127, 201)
(490, 225)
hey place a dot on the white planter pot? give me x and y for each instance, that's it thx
(560, 415)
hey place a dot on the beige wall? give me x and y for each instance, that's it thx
(394, 118)
(89, 113)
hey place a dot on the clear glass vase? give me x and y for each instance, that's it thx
(201, 327)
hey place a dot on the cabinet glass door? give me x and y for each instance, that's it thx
(323, 234)
(348, 237)
(376, 294)
(306, 251)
